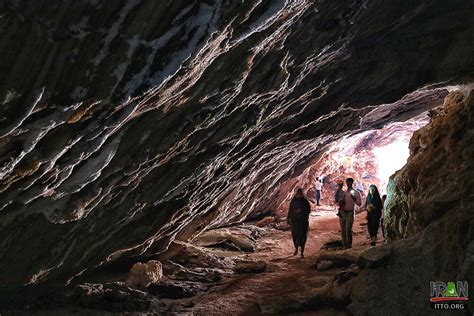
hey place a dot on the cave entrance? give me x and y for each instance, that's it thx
(370, 157)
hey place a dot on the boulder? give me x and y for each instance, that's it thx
(143, 274)
(338, 290)
(178, 272)
(240, 238)
(195, 256)
(346, 275)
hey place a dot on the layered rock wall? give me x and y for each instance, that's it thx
(128, 124)
(438, 178)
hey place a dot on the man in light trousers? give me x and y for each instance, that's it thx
(351, 199)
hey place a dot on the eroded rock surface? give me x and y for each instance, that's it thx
(127, 126)
(438, 177)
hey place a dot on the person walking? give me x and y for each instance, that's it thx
(319, 186)
(373, 206)
(339, 197)
(298, 219)
(346, 220)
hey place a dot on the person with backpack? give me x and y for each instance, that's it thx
(346, 220)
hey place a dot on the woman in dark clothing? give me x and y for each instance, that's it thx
(384, 198)
(374, 207)
(298, 219)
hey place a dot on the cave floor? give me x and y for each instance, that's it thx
(289, 281)
(290, 285)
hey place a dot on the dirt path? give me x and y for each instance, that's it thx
(288, 279)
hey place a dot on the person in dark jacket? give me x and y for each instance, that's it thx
(374, 207)
(298, 219)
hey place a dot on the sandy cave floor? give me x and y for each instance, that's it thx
(288, 279)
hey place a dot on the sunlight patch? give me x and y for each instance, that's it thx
(390, 158)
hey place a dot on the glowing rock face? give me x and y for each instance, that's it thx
(390, 158)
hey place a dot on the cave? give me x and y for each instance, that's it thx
(370, 156)
(151, 151)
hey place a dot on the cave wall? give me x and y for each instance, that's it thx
(429, 221)
(127, 124)
(438, 178)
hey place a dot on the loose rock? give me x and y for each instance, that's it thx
(235, 238)
(143, 274)
(178, 272)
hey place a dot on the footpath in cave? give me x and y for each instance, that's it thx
(289, 280)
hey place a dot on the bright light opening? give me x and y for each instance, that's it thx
(369, 157)
(390, 158)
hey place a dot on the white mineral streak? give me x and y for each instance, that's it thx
(114, 30)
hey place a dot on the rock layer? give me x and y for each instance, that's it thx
(127, 125)
(438, 176)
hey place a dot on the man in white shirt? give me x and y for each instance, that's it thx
(319, 186)
(351, 199)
